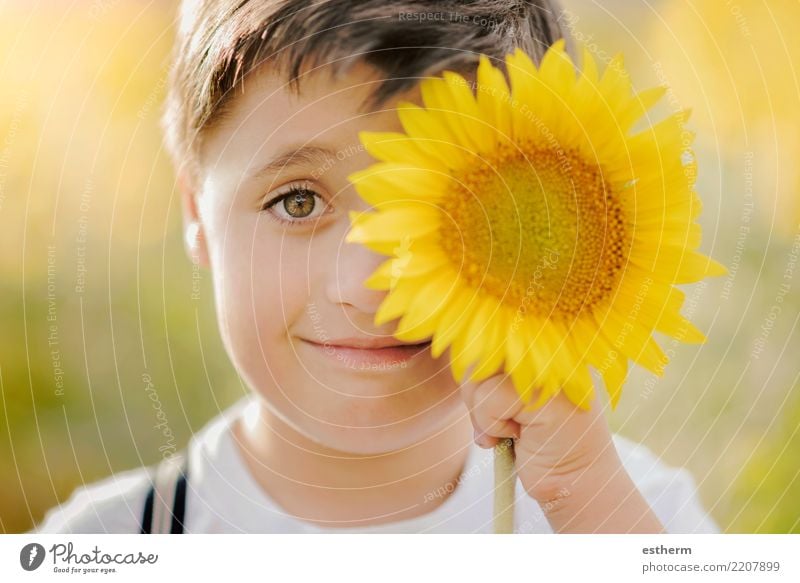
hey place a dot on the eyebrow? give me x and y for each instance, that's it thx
(306, 155)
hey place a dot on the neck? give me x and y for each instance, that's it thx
(332, 488)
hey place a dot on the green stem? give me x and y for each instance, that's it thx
(504, 486)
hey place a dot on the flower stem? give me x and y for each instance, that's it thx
(504, 486)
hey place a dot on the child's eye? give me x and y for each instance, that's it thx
(298, 204)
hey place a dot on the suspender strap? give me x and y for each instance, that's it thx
(147, 516)
(165, 505)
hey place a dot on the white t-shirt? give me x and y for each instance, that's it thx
(223, 497)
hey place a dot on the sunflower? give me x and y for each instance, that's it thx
(530, 229)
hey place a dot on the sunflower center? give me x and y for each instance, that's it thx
(536, 227)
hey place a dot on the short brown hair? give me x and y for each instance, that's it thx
(221, 41)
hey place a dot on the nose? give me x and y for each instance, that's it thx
(353, 265)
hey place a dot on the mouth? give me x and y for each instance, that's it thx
(359, 357)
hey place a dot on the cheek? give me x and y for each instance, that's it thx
(261, 282)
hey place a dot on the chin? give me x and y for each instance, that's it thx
(368, 429)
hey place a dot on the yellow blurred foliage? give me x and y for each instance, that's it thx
(738, 64)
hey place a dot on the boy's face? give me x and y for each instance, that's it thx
(285, 290)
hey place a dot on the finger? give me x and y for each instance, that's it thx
(494, 405)
(480, 437)
(467, 387)
(485, 421)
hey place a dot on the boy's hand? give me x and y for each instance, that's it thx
(565, 458)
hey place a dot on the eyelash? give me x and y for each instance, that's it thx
(292, 189)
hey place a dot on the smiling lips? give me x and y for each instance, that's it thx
(370, 343)
(356, 353)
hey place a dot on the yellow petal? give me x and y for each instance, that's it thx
(479, 327)
(614, 379)
(460, 351)
(544, 340)
(682, 265)
(395, 303)
(557, 69)
(469, 116)
(424, 314)
(589, 67)
(417, 257)
(643, 299)
(417, 323)
(652, 236)
(670, 321)
(494, 346)
(639, 105)
(433, 135)
(493, 98)
(523, 369)
(635, 342)
(393, 225)
(615, 82)
(396, 147)
(388, 184)
(680, 328)
(534, 102)
(457, 109)
(516, 345)
(659, 142)
(453, 320)
(382, 277)
(683, 207)
(578, 386)
(611, 364)
(468, 347)
(521, 69)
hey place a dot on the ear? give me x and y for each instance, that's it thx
(193, 231)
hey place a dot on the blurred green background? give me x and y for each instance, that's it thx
(101, 309)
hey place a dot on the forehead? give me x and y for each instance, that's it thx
(268, 115)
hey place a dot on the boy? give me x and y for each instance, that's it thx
(348, 429)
